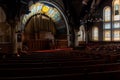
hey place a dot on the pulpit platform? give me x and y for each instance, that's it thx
(52, 50)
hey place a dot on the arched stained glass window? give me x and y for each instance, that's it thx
(111, 26)
(107, 24)
(116, 9)
(95, 34)
(42, 8)
(107, 14)
(116, 21)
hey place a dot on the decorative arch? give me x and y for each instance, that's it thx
(53, 11)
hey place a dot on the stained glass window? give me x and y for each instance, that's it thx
(107, 35)
(116, 25)
(50, 11)
(116, 35)
(107, 14)
(95, 33)
(107, 24)
(111, 25)
(116, 7)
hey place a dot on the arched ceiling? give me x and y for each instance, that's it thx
(76, 9)
(82, 9)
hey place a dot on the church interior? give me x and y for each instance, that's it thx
(60, 39)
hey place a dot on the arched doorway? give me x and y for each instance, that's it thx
(53, 13)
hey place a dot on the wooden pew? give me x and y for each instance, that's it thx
(74, 71)
(37, 64)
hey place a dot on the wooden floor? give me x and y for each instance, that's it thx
(62, 64)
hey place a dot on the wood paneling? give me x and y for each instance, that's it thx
(6, 48)
(41, 44)
(61, 43)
